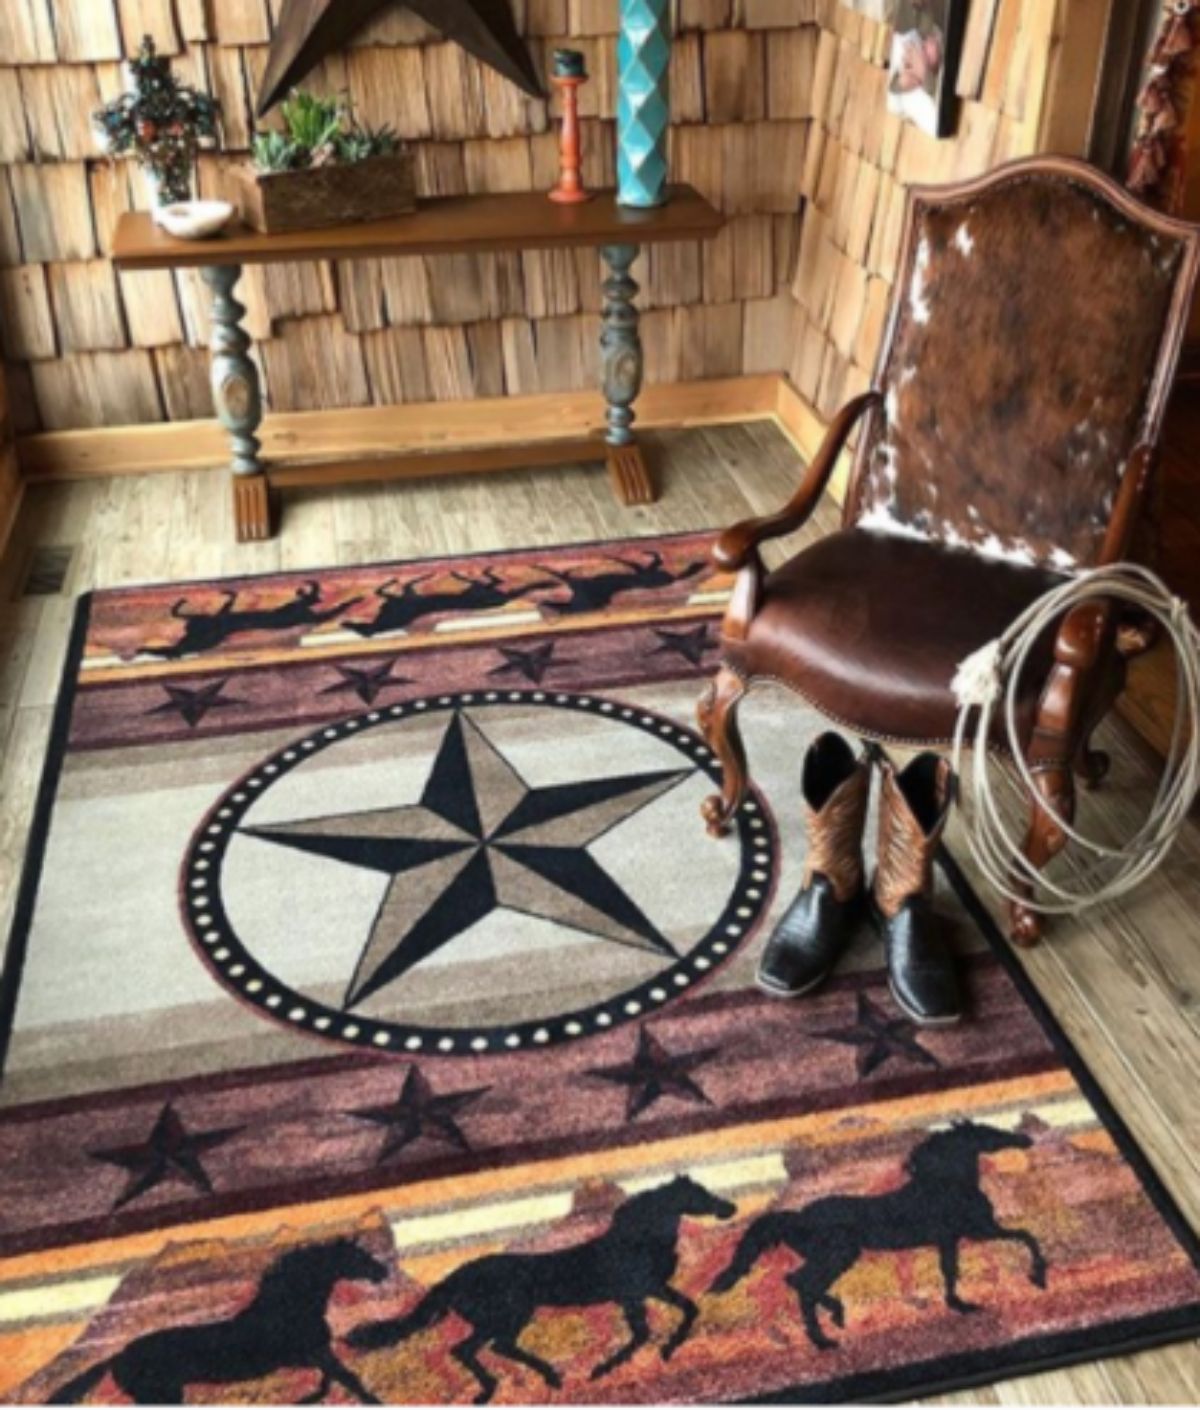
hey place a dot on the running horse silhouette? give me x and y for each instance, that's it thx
(940, 1205)
(399, 610)
(630, 1264)
(284, 1328)
(594, 593)
(204, 630)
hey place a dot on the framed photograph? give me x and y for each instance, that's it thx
(926, 48)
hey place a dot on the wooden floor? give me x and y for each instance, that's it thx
(1125, 983)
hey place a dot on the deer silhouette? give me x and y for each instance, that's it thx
(593, 593)
(283, 1328)
(940, 1205)
(400, 608)
(631, 1264)
(204, 630)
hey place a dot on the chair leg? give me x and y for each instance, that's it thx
(1091, 765)
(1043, 842)
(717, 713)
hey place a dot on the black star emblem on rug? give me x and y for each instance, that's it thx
(878, 1038)
(481, 839)
(419, 1111)
(655, 1073)
(170, 1152)
(531, 665)
(692, 646)
(367, 682)
(193, 705)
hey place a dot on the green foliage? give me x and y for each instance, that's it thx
(360, 143)
(316, 132)
(312, 123)
(275, 151)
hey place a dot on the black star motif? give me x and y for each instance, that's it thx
(480, 840)
(170, 1152)
(879, 1038)
(532, 665)
(655, 1073)
(690, 645)
(193, 705)
(367, 682)
(418, 1112)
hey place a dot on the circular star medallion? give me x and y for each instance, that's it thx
(486, 872)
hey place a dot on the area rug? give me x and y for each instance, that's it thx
(379, 1024)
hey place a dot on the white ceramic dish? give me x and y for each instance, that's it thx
(194, 220)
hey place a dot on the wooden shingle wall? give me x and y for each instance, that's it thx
(860, 161)
(779, 118)
(86, 347)
(10, 477)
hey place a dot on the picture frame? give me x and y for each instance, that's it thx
(927, 42)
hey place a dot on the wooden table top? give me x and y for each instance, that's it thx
(445, 225)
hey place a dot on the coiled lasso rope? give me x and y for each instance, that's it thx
(990, 679)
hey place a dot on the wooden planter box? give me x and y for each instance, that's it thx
(281, 201)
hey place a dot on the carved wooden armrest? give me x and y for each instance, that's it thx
(738, 547)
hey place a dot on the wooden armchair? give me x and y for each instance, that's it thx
(1008, 440)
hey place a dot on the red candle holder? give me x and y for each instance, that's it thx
(569, 77)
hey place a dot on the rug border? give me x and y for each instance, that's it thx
(936, 1377)
(39, 827)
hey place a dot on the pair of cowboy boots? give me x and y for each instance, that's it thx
(914, 806)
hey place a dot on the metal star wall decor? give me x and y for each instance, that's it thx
(310, 30)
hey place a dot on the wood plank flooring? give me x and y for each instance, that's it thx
(1124, 981)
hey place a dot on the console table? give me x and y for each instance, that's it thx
(446, 225)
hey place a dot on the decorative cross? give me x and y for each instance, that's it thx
(161, 121)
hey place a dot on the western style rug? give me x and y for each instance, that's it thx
(379, 1024)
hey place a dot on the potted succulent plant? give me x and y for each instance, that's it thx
(323, 167)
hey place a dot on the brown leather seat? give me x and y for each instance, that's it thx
(874, 625)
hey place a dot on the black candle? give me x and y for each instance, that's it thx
(569, 63)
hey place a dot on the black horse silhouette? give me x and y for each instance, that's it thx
(940, 1205)
(284, 1328)
(400, 609)
(204, 630)
(630, 1264)
(594, 593)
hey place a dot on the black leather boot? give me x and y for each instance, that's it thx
(819, 923)
(914, 805)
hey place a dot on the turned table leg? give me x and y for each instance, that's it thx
(238, 399)
(621, 348)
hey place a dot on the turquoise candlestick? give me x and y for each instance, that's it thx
(643, 103)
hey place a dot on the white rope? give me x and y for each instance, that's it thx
(991, 678)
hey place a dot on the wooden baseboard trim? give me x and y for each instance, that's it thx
(797, 419)
(802, 424)
(359, 432)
